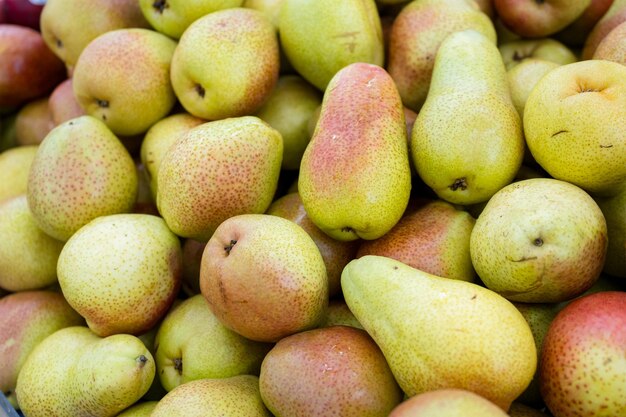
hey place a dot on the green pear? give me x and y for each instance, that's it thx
(14, 168)
(121, 272)
(28, 317)
(434, 238)
(355, 178)
(237, 396)
(63, 104)
(218, 169)
(141, 409)
(226, 64)
(521, 410)
(81, 171)
(123, 78)
(288, 110)
(615, 15)
(524, 77)
(319, 372)
(270, 8)
(192, 344)
(28, 256)
(574, 122)
(338, 314)
(441, 333)
(67, 37)
(447, 403)
(477, 148)
(33, 122)
(515, 52)
(614, 211)
(539, 240)
(73, 373)
(264, 277)
(613, 47)
(416, 35)
(158, 140)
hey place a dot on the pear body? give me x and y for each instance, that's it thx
(614, 16)
(515, 52)
(33, 122)
(63, 104)
(14, 169)
(523, 78)
(613, 47)
(447, 403)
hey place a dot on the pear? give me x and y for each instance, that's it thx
(447, 403)
(615, 15)
(140, 409)
(28, 256)
(434, 238)
(614, 211)
(28, 317)
(270, 8)
(33, 122)
(416, 35)
(226, 64)
(524, 77)
(73, 372)
(172, 17)
(192, 344)
(516, 52)
(264, 277)
(577, 31)
(539, 240)
(354, 178)
(63, 104)
(81, 171)
(335, 371)
(236, 396)
(123, 78)
(613, 47)
(67, 37)
(574, 121)
(14, 169)
(440, 333)
(338, 314)
(477, 148)
(583, 360)
(192, 256)
(521, 410)
(121, 272)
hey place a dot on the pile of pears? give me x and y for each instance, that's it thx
(405, 208)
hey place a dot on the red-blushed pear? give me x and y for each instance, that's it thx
(33, 122)
(584, 358)
(28, 317)
(536, 19)
(575, 34)
(264, 277)
(331, 371)
(613, 46)
(447, 403)
(14, 168)
(614, 210)
(63, 103)
(611, 19)
(516, 52)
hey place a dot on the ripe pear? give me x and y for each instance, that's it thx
(218, 170)
(584, 357)
(28, 317)
(264, 277)
(539, 240)
(336, 371)
(237, 396)
(81, 171)
(441, 333)
(354, 178)
(615, 15)
(67, 37)
(336, 254)
(416, 35)
(123, 78)
(203, 66)
(447, 403)
(73, 372)
(574, 122)
(140, 409)
(121, 272)
(338, 314)
(516, 52)
(613, 46)
(33, 122)
(475, 150)
(63, 104)
(523, 78)
(14, 168)
(614, 210)
(192, 344)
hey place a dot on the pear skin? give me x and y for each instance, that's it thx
(338, 314)
(63, 104)
(615, 15)
(613, 47)
(33, 122)
(270, 8)
(14, 169)
(447, 403)
(523, 78)
(440, 333)
(515, 52)
(140, 409)
(614, 211)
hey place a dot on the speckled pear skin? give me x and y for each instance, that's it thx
(355, 178)
(81, 171)
(447, 403)
(336, 253)
(615, 15)
(123, 79)
(523, 78)
(478, 147)
(614, 211)
(434, 238)
(73, 372)
(264, 277)
(584, 357)
(28, 256)
(332, 371)
(218, 170)
(226, 64)
(539, 240)
(612, 47)
(574, 122)
(140, 409)
(14, 168)
(416, 35)
(454, 334)
(237, 396)
(28, 317)
(121, 272)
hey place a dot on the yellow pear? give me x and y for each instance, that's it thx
(523, 78)
(515, 52)
(140, 409)
(14, 169)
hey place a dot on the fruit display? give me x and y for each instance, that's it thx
(313, 208)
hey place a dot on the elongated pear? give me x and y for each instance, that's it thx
(440, 333)
(467, 140)
(355, 177)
